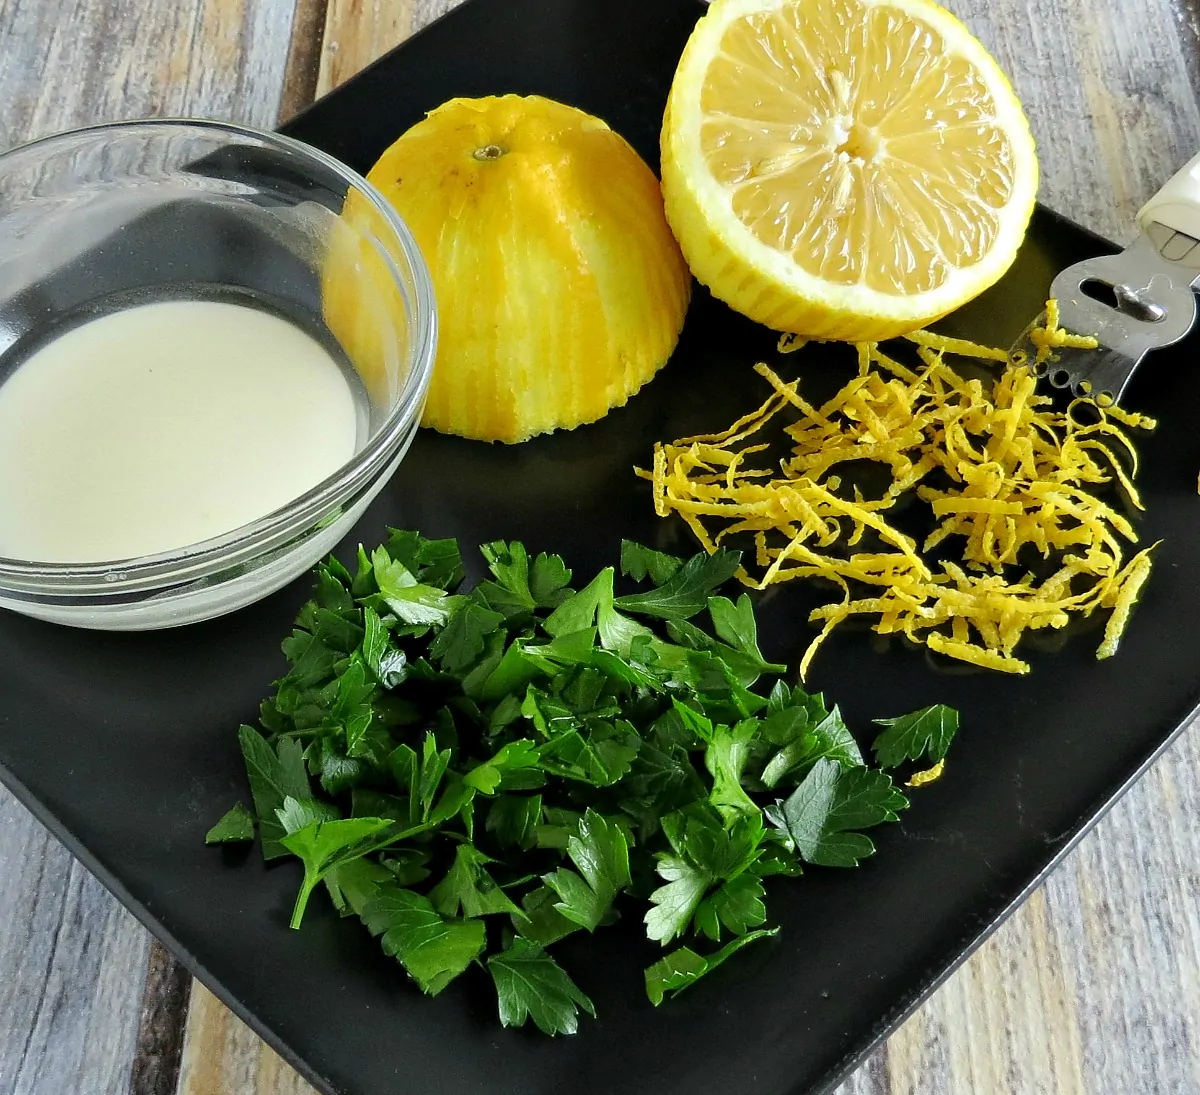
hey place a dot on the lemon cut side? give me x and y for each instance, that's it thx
(845, 169)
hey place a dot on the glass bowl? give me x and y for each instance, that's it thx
(159, 209)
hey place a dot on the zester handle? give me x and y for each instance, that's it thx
(1172, 217)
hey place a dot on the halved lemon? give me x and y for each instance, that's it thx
(844, 169)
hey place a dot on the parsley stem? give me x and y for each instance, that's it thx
(311, 878)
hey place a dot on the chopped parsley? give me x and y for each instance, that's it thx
(478, 773)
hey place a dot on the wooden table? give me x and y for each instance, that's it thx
(1092, 987)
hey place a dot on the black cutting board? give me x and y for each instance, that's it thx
(125, 746)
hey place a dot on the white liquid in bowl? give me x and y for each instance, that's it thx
(153, 428)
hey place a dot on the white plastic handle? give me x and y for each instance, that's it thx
(1176, 205)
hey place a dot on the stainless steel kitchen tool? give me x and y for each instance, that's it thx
(1134, 302)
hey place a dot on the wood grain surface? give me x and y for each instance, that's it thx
(73, 963)
(1091, 988)
(358, 31)
(162, 1024)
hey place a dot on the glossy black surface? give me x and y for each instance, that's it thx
(125, 744)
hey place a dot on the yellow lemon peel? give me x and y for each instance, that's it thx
(559, 286)
(929, 775)
(1014, 476)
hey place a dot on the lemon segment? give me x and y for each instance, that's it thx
(849, 169)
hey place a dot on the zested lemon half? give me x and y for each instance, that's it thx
(560, 288)
(844, 169)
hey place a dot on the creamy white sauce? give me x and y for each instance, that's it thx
(162, 425)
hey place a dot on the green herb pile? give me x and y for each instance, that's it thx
(497, 769)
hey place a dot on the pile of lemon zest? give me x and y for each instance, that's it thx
(920, 779)
(1020, 476)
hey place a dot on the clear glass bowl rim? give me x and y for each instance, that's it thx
(312, 508)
